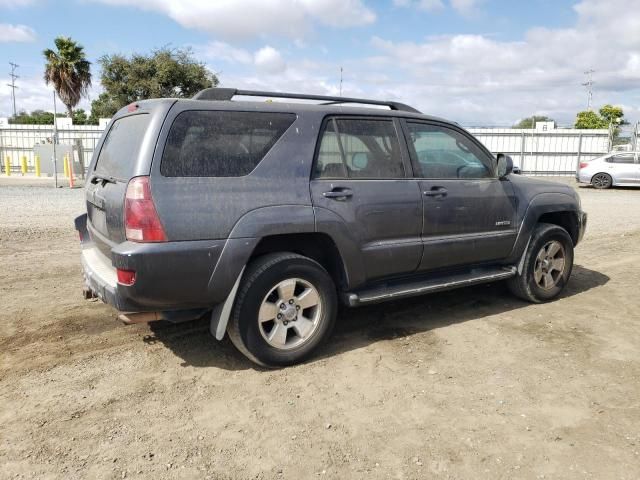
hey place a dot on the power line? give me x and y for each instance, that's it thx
(13, 84)
(589, 85)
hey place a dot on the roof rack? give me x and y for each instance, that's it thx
(217, 93)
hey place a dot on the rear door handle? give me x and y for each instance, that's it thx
(435, 192)
(339, 193)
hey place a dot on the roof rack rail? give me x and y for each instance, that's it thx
(217, 93)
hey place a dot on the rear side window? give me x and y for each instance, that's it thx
(121, 146)
(622, 158)
(220, 144)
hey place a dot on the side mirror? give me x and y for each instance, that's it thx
(505, 165)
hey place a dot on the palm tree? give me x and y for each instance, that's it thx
(69, 72)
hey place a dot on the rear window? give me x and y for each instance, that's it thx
(120, 149)
(220, 144)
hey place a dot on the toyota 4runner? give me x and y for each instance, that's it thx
(265, 215)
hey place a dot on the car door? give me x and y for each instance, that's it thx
(362, 175)
(469, 215)
(624, 168)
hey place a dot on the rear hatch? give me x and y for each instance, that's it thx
(125, 152)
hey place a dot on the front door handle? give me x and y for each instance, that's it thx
(339, 193)
(435, 192)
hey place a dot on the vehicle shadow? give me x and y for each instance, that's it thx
(359, 327)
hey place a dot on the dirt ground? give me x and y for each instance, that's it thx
(467, 384)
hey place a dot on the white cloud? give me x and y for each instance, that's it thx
(269, 60)
(33, 94)
(476, 78)
(465, 7)
(16, 3)
(427, 5)
(479, 79)
(16, 33)
(232, 19)
(225, 52)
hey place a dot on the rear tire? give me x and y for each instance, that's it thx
(547, 265)
(601, 181)
(285, 308)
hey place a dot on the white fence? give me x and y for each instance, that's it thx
(552, 152)
(18, 141)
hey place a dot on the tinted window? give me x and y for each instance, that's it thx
(121, 146)
(622, 158)
(446, 153)
(329, 163)
(359, 149)
(220, 144)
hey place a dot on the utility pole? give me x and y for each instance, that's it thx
(55, 140)
(13, 84)
(589, 85)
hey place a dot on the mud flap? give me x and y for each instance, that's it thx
(221, 312)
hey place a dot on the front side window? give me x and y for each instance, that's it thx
(213, 143)
(359, 148)
(442, 152)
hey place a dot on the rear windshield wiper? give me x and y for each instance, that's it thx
(105, 178)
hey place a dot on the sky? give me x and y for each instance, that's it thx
(477, 62)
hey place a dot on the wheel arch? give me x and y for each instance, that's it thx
(565, 219)
(315, 245)
(557, 208)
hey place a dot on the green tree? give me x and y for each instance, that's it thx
(80, 117)
(163, 73)
(530, 122)
(608, 115)
(69, 71)
(37, 117)
(590, 120)
(613, 115)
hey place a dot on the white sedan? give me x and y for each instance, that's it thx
(613, 169)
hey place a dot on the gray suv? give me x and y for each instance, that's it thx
(264, 215)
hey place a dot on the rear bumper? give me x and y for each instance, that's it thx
(169, 275)
(583, 177)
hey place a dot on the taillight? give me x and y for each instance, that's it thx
(141, 221)
(584, 164)
(126, 277)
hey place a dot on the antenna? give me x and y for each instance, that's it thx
(340, 80)
(589, 85)
(13, 84)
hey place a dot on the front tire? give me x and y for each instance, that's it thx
(547, 265)
(285, 308)
(602, 181)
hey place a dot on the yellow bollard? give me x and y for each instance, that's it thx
(66, 166)
(7, 165)
(37, 165)
(23, 165)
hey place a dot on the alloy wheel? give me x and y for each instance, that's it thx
(550, 265)
(290, 313)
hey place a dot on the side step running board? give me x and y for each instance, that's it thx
(420, 287)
